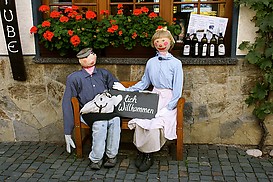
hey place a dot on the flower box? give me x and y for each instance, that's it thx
(136, 52)
(115, 52)
(44, 52)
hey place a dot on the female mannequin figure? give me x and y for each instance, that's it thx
(165, 73)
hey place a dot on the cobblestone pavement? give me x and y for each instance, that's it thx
(36, 161)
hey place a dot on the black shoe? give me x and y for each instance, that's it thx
(147, 162)
(95, 166)
(139, 159)
(110, 162)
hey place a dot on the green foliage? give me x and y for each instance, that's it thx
(264, 109)
(260, 53)
(131, 30)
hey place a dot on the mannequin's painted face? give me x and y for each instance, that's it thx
(89, 61)
(162, 44)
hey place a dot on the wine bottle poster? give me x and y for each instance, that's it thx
(209, 25)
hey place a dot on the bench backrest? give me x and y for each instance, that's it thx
(128, 83)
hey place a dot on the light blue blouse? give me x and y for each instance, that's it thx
(163, 72)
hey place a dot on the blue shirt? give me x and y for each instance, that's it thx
(85, 87)
(163, 72)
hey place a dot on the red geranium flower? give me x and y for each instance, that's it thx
(90, 15)
(120, 32)
(159, 27)
(75, 8)
(55, 14)
(104, 12)
(70, 32)
(152, 15)
(72, 14)
(75, 40)
(33, 29)
(144, 9)
(64, 19)
(68, 10)
(46, 24)
(44, 8)
(112, 29)
(78, 17)
(120, 12)
(120, 6)
(137, 12)
(48, 35)
(134, 35)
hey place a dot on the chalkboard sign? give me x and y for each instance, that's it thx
(136, 104)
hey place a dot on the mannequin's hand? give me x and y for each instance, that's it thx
(118, 86)
(69, 142)
(161, 112)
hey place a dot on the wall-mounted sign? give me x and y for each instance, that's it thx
(13, 42)
(136, 104)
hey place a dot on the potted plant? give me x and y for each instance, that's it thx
(71, 29)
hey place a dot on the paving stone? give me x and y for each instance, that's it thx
(261, 175)
(230, 178)
(241, 179)
(216, 168)
(248, 169)
(250, 175)
(184, 179)
(194, 176)
(37, 175)
(74, 178)
(206, 173)
(163, 178)
(108, 179)
(226, 168)
(240, 174)
(172, 180)
(228, 173)
(237, 168)
(32, 179)
(258, 169)
(193, 170)
(253, 179)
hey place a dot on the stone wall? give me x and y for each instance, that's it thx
(215, 111)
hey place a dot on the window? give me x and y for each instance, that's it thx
(130, 5)
(220, 8)
(168, 9)
(62, 4)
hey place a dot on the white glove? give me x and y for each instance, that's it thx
(118, 86)
(69, 142)
(161, 112)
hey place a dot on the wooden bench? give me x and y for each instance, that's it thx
(81, 129)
